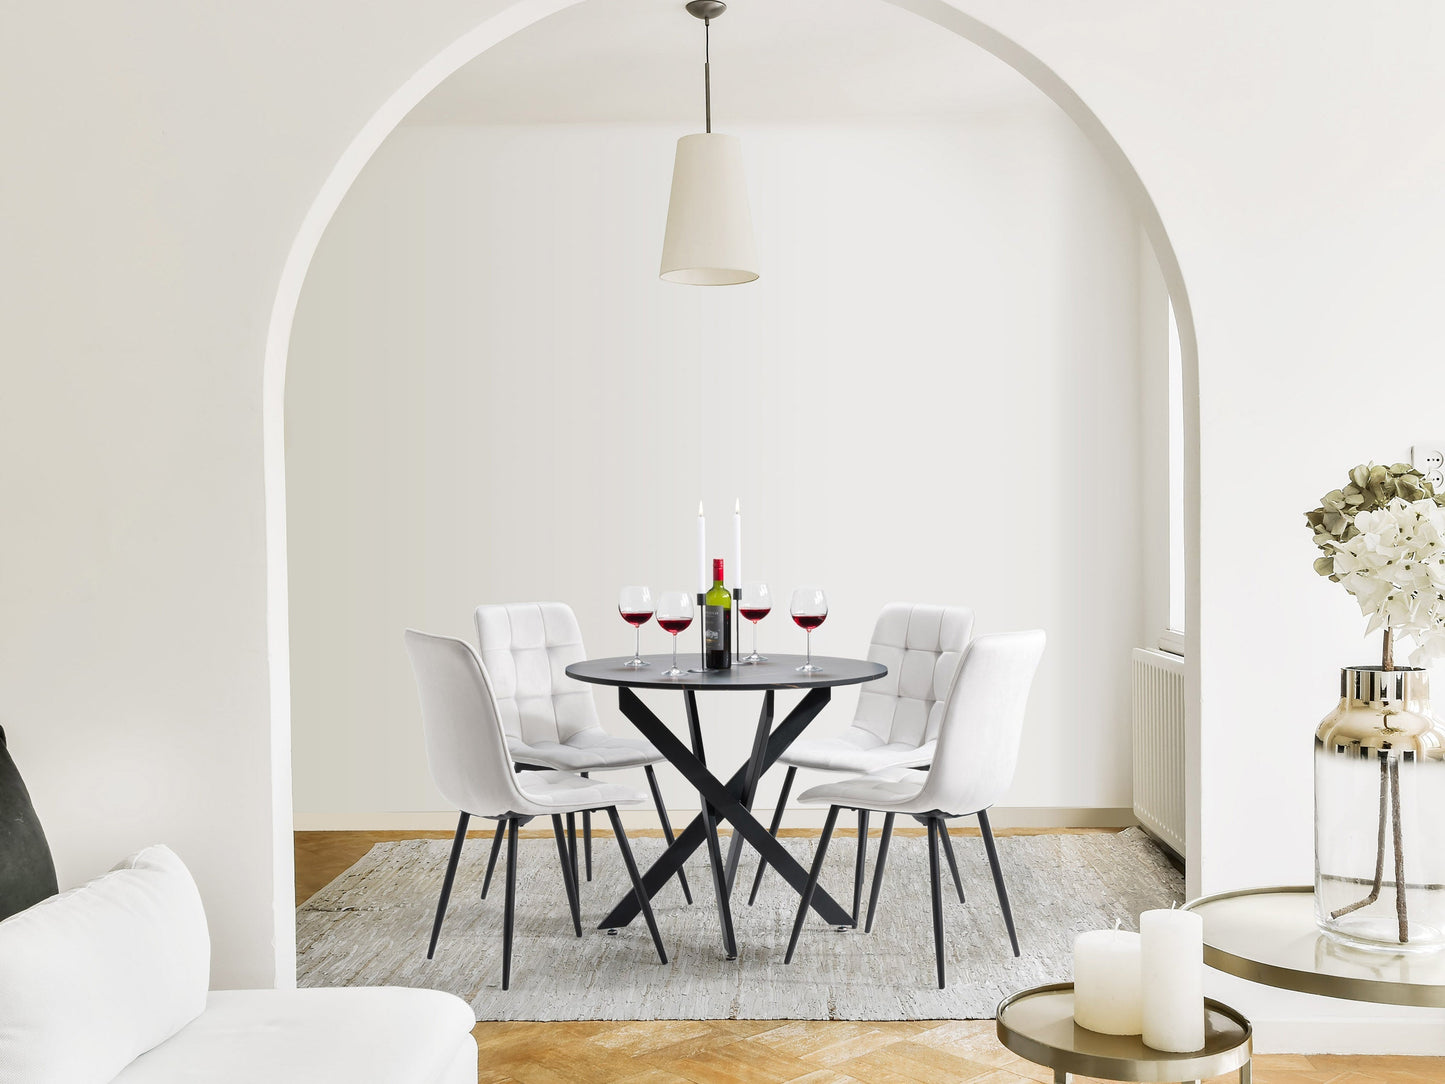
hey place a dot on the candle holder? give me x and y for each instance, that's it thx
(1038, 1025)
(737, 624)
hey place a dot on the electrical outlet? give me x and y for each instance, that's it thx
(1430, 460)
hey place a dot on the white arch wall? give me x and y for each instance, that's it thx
(163, 160)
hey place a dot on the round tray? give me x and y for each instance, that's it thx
(1269, 935)
(1038, 1024)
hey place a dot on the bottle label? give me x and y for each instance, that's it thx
(713, 633)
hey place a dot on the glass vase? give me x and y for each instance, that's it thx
(1380, 813)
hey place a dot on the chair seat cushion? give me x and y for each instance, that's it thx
(562, 792)
(856, 750)
(891, 790)
(367, 1035)
(592, 750)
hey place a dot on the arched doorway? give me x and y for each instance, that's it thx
(369, 140)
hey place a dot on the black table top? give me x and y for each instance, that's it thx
(779, 672)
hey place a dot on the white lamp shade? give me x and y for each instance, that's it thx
(709, 238)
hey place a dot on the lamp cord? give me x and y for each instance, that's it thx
(707, 72)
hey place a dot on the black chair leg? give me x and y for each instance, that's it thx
(666, 826)
(572, 842)
(587, 837)
(935, 883)
(947, 842)
(492, 858)
(859, 866)
(813, 875)
(510, 909)
(461, 837)
(988, 845)
(637, 887)
(573, 903)
(773, 831)
(878, 868)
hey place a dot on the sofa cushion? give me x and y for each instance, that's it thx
(96, 976)
(367, 1035)
(27, 873)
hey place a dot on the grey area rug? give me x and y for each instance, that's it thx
(370, 927)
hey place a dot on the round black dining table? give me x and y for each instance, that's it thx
(730, 800)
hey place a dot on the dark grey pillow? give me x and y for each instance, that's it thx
(27, 872)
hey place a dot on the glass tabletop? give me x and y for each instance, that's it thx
(1268, 935)
(1038, 1024)
(779, 672)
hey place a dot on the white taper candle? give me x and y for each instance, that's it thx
(1108, 987)
(1173, 957)
(702, 580)
(738, 542)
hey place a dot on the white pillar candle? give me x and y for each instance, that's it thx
(702, 577)
(1173, 953)
(1107, 982)
(738, 542)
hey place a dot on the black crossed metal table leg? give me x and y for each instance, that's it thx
(725, 800)
(709, 824)
(750, 788)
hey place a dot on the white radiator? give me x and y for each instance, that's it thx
(1159, 745)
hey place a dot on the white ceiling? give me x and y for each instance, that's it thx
(772, 61)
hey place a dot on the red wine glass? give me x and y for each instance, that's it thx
(809, 609)
(755, 605)
(635, 606)
(674, 613)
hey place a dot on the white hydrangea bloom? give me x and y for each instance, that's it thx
(1395, 568)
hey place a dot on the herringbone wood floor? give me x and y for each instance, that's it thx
(783, 1051)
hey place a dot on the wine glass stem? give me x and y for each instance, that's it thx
(755, 638)
(674, 651)
(810, 649)
(637, 641)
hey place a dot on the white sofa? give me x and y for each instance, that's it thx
(107, 983)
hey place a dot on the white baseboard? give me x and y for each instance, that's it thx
(1381, 1035)
(1290, 1023)
(799, 817)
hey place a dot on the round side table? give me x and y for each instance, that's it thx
(1038, 1024)
(1269, 935)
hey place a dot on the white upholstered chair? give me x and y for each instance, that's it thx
(472, 766)
(550, 719)
(973, 764)
(896, 724)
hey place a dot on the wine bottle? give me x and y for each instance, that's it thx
(717, 623)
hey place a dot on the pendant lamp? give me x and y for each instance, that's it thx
(709, 240)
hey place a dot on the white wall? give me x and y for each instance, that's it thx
(159, 160)
(491, 397)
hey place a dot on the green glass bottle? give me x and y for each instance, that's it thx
(717, 623)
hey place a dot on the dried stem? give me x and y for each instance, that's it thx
(1379, 847)
(1389, 785)
(1388, 657)
(1401, 912)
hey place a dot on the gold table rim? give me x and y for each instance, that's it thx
(1154, 1067)
(1377, 991)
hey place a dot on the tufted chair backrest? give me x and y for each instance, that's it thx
(978, 745)
(465, 748)
(921, 646)
(526, 649)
